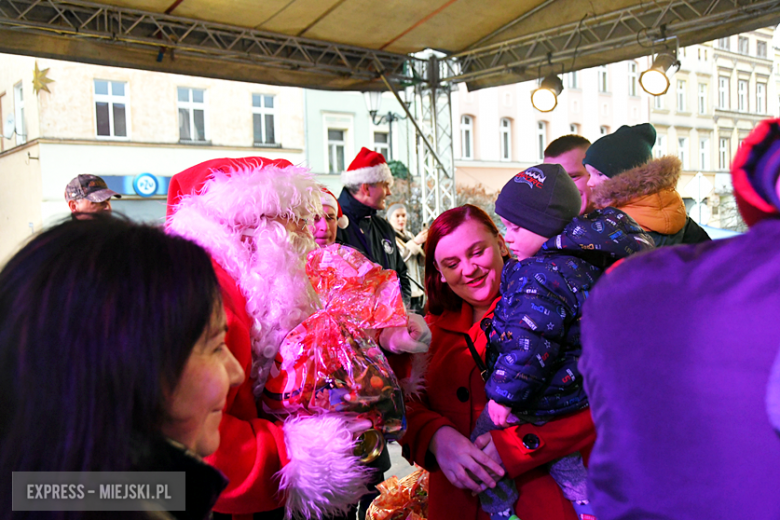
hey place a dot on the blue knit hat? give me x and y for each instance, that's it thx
(542, 199)
(628, 147)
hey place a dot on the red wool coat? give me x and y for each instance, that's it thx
(455, 396)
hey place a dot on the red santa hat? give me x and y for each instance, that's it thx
(329, 199)
(755, 170)
(368, 167)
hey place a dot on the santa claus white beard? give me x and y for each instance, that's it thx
(279, 295)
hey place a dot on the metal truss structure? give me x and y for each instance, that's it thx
(633, 29)
(129, 27)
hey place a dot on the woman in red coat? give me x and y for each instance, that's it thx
(464, 257)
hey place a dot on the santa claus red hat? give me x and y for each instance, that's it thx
(755, 171)
(328, 199)
(369, 167)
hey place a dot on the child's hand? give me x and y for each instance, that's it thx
(499, 414)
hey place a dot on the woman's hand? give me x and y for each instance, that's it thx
(485, 443)
(464, 464)
(421, 237)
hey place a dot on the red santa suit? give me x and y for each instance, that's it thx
(306, 462)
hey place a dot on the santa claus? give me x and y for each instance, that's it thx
(251, 215)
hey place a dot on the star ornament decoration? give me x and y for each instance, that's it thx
(40, 81)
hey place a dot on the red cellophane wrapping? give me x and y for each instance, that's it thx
(329, 363)
(404, 499)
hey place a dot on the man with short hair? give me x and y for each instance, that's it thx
(89, 194)
(367, 184)
(569, 151)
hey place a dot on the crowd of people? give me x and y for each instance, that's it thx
(576, 366)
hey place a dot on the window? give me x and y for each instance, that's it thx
(574, 129)
(681, 95)
(704, 153)
(723, 154)
(702, 98)
(603, 130)
(742, 45)
(336, 150)
(263, 119)
(723, 92)
(659, 149)
(682, 152)
(723, 43)
(631, 78)
(541, 138)
(466, 137)
(603, 79)
(111, 108)
(573, 79)
(742, 100)
(658, 102)
(761, 98)
(19, 124)
(382, 144)
(761, 49)
(506, 140)
(192, 114)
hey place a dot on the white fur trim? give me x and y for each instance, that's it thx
(343, 221)
(329, 200)
(414, 384)
(368, 175)
(323, 477)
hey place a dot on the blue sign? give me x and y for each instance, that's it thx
(145, 184)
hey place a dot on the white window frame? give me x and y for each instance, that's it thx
(505, 138)
(742, 95)
(724, 43)
(681, 97)
(659, 149)
(379, 146)
(760, 98)
(344, 123)
(702, 98)
(704, 153)
(632, 78)
(723, 153)
(723, 92)
(760, 44)
(264, 111)
(574, 128)
(743, 45)
(541, 138)
(603, 130)
(658, 102)
(191, 106)
(467, 137)
(683, 152)
(20, 125)
(603, 78)
(333, 146)
(573, 79)
(111, 99)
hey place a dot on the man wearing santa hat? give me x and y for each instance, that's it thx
(367, 184)
(250, 214)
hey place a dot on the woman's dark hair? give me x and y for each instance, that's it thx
(440, 297)
(97, 320)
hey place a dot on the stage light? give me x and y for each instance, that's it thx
(545, 98)
(654, 80)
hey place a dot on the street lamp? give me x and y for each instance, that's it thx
(374, 101)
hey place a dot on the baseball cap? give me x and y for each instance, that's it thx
(90, 187)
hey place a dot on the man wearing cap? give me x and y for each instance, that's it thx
(678, 347)
(88, 194)
(624, 175)
(367, 184)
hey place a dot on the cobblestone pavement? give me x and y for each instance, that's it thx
(400, 468)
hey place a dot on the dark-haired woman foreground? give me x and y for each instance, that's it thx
(112, 358)
(464, 257)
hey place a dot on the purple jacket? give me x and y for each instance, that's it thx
(677, 350)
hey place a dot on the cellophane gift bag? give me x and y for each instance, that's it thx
(401, 499)
(331, 362)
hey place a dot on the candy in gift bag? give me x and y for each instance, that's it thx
(329, 364)
(401, 499)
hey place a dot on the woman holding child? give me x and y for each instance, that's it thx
(465, 256)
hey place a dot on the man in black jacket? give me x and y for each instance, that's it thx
(367, 184)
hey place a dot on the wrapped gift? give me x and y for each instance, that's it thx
(401, 499)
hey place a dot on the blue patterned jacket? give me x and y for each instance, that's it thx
(535, 331)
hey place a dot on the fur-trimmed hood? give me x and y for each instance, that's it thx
(648, 193)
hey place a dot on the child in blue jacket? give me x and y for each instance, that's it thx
(534, 336)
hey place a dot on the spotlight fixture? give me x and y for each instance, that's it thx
(654, 80)
(545, 98)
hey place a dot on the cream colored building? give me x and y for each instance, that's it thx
(119, 123)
